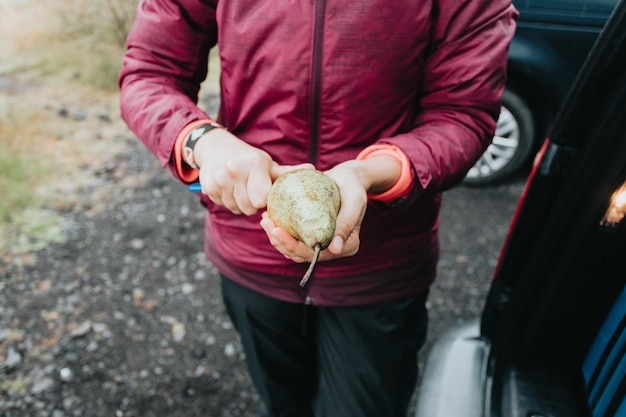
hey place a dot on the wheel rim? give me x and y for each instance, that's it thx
(502, 149)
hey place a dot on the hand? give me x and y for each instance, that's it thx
(354, 179)
(346, 240)
(234, 174)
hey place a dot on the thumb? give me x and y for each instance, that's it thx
(278, 170)
(336, 245)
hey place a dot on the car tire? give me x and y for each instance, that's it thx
(512, 144)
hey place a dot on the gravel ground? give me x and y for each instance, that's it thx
(125, 317)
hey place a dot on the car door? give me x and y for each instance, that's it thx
(561, 272)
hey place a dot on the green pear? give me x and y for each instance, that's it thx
(305, 203)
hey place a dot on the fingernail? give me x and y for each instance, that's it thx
(338, 243)
(276, 234)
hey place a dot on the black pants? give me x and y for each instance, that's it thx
(329, 361)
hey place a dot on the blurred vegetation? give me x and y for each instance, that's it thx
(78, 40)
(64, 51)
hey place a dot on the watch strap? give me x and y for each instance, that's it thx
(406, 181)
(192, 139)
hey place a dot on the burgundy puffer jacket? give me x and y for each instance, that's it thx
(319, 80)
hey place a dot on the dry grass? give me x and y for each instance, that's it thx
(66, 40)
(60, 59)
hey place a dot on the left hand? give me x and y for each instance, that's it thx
(346, 241)
(354, 179)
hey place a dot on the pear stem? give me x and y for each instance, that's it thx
(316, 254)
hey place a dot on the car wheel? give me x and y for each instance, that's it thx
(512, 143)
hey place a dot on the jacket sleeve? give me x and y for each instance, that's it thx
(463, 80)
(165, 62)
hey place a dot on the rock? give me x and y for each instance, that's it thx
(12, 360)
(4, 333)
(178, 332)
(229, 350)
(137, 244)
(42, 385)
(187, 288)
(66, 374)
(199, 275)
(100, 328)
(79, 115)
(81, 330)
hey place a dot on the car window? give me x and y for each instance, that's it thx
(578, 12)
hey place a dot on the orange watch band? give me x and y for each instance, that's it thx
(406, 180)
(184, 171)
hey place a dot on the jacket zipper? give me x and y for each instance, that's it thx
(316, 87)
(316, 80)
(306, 315)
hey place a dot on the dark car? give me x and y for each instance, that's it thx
(552, 40)
(551, 340)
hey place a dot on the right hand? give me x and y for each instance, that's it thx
(234, 174)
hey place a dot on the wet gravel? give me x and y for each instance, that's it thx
(125, 318)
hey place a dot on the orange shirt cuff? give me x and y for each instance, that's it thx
(405, 182)
(184, 171)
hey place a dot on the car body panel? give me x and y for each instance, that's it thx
(455, 369)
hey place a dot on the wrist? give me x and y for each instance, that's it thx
(191, 140)
(205, 145)
(378, 173)
(394, 172)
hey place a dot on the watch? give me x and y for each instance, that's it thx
(192, 139)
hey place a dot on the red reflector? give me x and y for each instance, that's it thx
(520, 203)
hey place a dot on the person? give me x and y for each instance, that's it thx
(394, 100)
